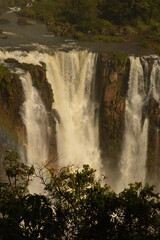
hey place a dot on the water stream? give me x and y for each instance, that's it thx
(34, 116)
(144, 85)
(72, 77)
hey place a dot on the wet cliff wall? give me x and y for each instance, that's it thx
(12, 129)
(153, 154)
(113, 75)
(112, 78)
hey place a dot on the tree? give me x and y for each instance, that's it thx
(75, 205)
(12, 190)
(80, 13)
(22, 215)
(140, 213)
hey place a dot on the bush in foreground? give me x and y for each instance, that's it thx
(75, 205)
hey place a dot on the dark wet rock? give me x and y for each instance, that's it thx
(12, 61)
(12, 129)
(113, 72)
(38, 74)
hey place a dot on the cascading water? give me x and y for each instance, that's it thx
(35, 119)
(155, 92)
(134, 154)
(144, 85)
(155, 81)
(72, 76)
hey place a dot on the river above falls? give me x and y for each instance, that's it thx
(34, 35)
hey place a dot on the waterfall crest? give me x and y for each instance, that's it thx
(72, 77)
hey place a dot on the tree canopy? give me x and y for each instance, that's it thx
(102, 20)
(74, 205)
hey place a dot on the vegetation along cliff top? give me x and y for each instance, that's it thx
(97, 20)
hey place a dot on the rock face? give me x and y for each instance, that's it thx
(113, 70)
(12, 129)
(38, 74)
(111, 90)
(153, 155)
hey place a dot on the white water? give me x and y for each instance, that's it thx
(72, 77)
(155, 81)
(142, 87)
(35, 119)
(155, 92)
(134, 154)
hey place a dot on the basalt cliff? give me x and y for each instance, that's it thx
(112, 83)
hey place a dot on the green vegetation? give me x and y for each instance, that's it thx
(11, 3)
(5, 81)
(3, 71)
(117, 61)
(98, 20)
(75, 205)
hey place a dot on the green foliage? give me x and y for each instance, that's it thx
(18, 175)
(76, 205)
(125, 12)
(5, 81)
(3, 71)
(11, 3)
(117, 61)
(131, 30)
(103, 20)
(107, 38)
(78, 10)
(140, 207)
(38, 217)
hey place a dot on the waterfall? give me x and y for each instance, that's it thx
(134, 154)
(72, 77)
(144, 85)
(155, 81)
(155, 91)
(35, 119)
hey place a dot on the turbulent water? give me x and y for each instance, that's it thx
(34, 116)
(143, 85)
(133, 159)
(72, 77)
